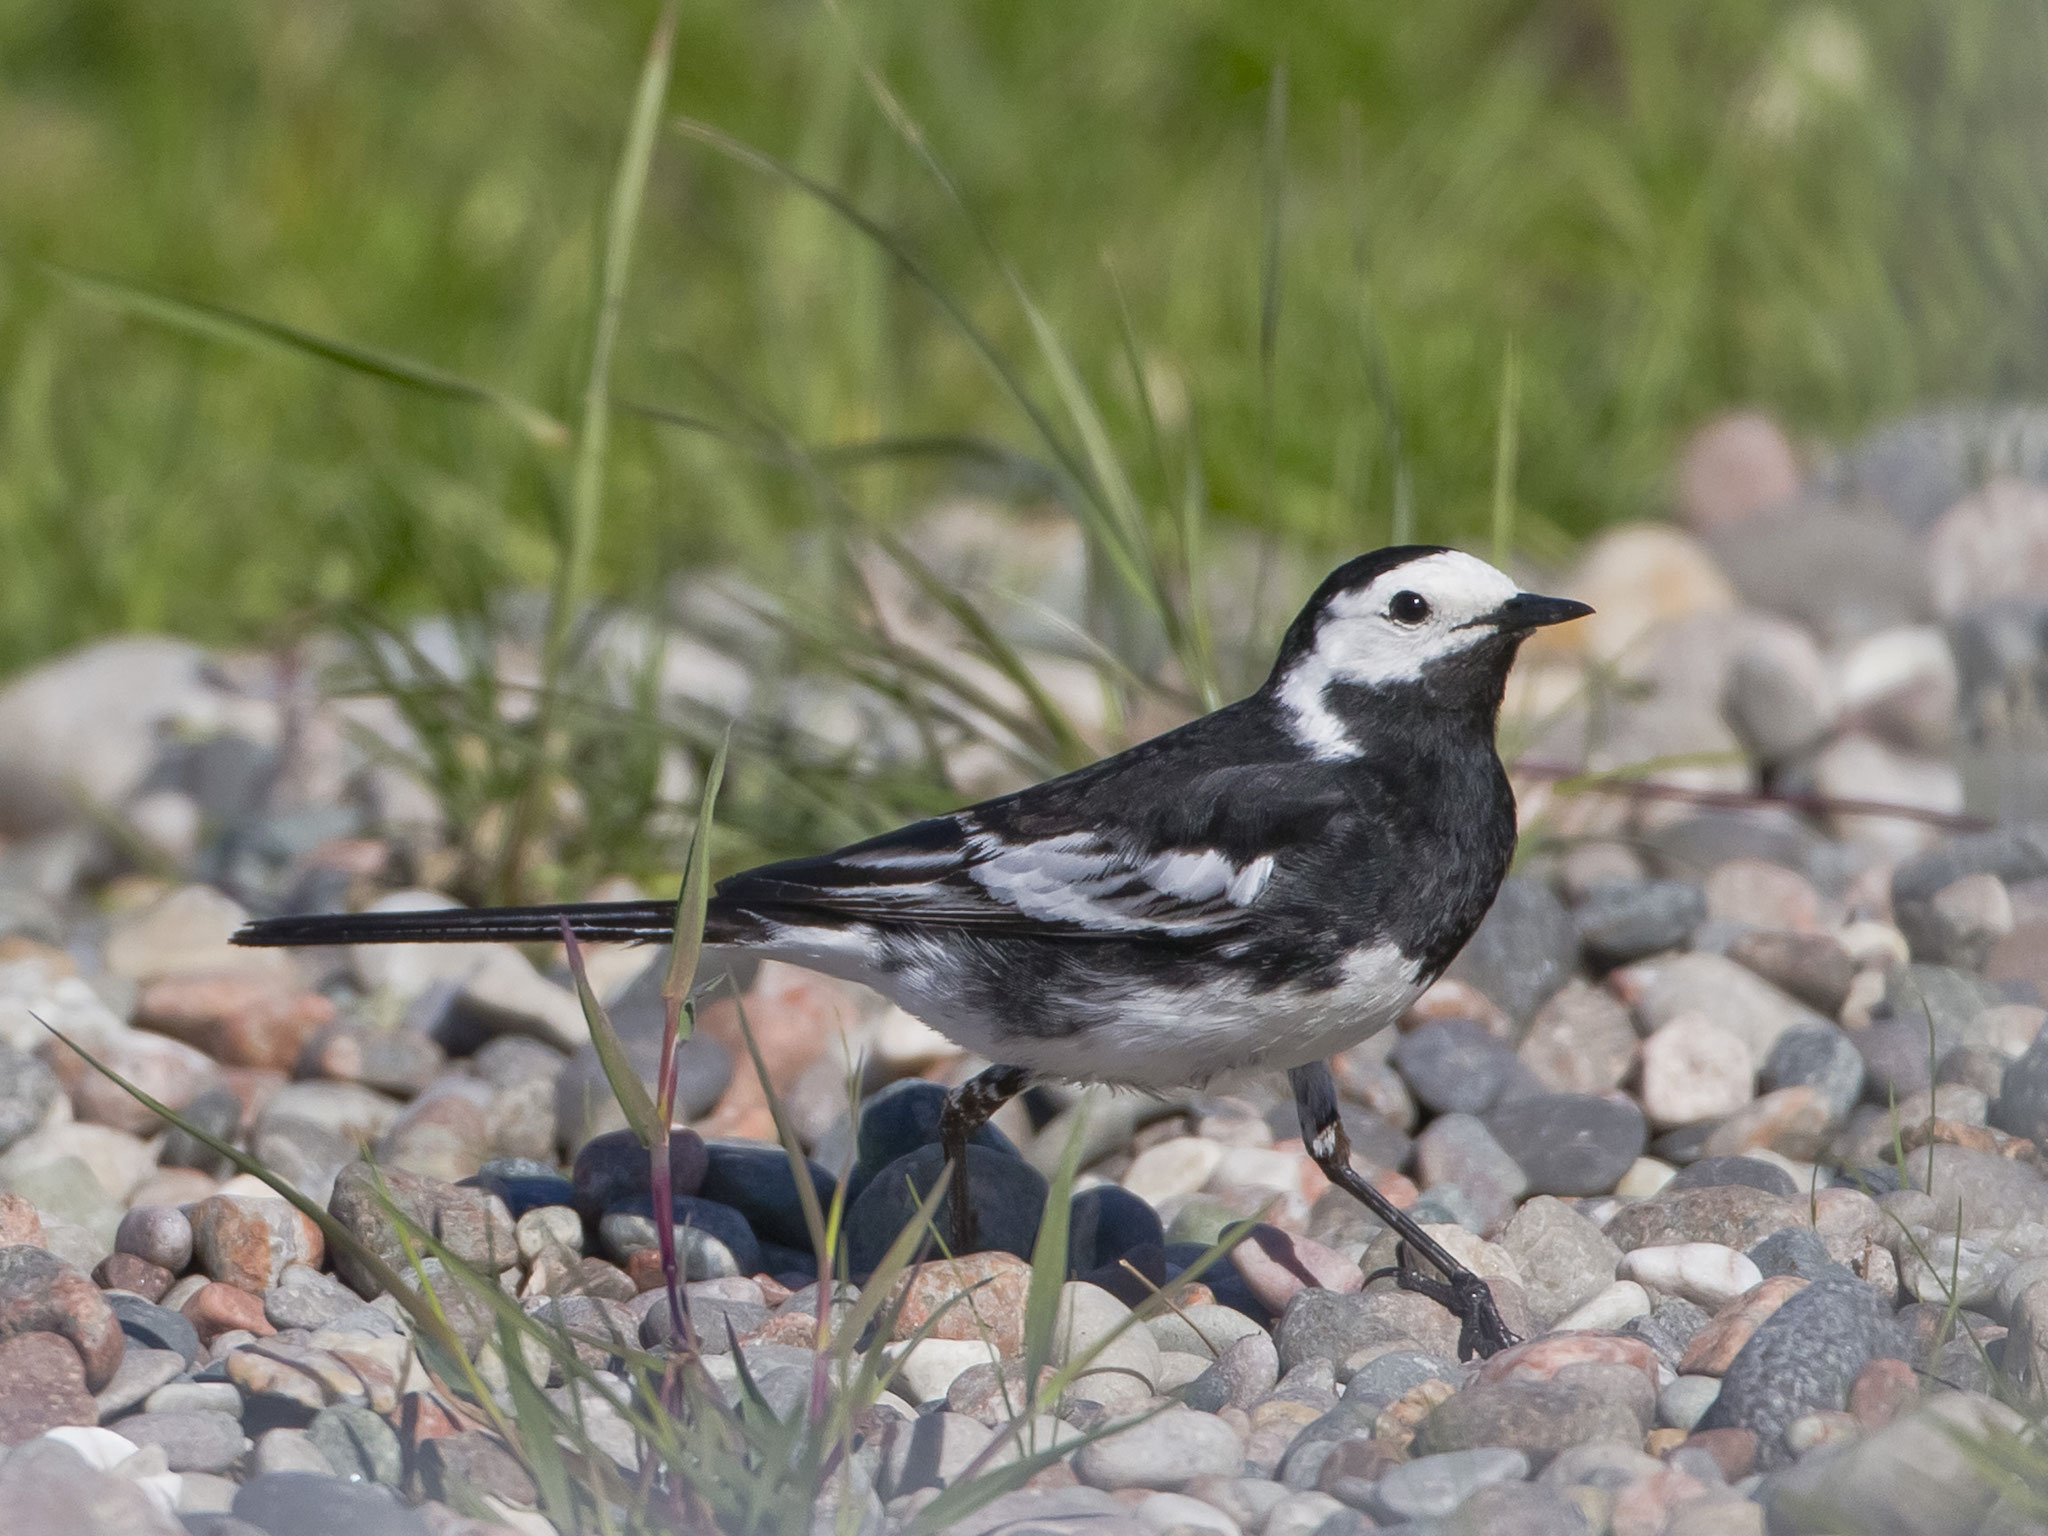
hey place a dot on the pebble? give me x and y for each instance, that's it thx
(1612, 1306)
(1164, 1452)
(926, 1369)
(1733, 997)
(1432, 1486)
(1458, 1151)
(141, 1372)
(1564, 1258)
(1825, 1060)
(249, 1240)
(758, 1183)
(1276, 1264)
(155, 1327)
(930, 1451)
(1525, 949)
(1008, 1196)
(1805, 1355)
(475, 1225)
(1622, 922)
(1539, 1418)
(157, 1234)
(1913, 1475)
(40, 1293)
(615, 1167)
(1568, 1143)
(1706, 1274)
(312, 1504)
(1668, 1327)
(1694, 1070)
(192, 1442)
(1204, 1328)
(1455, 1067)
(1714, 1348)
(1180, 1515)
(1735, 1216)
(218, 1308)
(42, 1385)
(1581, 1041)
(1104, 1224)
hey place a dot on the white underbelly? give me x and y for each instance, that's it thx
(1156, 1035)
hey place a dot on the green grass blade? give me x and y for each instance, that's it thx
(632, 1094)
(536, 1419)
(687, 950)
(1049, 1257)
(593, 431)
(1272, 270)
(1506, 453)
(216, 323)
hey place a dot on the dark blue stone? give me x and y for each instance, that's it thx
(757, 1181)
(524, 1183)
(901, 1118)
(154, 1327)
(1008, 1195)
(1105, 1224)
(707, 1216)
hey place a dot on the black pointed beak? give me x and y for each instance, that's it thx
(1526, 610)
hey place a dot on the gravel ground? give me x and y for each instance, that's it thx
(1739, 1106)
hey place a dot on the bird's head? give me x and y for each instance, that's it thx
(1437, 622)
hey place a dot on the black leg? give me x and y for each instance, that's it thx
(967, 1110)
(1482, 1332)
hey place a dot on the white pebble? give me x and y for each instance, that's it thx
(1172, 1168)
(1707, 1274)
(1178, 1512)
(1607, 1309)
(1645, 1176)
(928, 1367)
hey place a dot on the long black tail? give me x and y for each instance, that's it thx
(598, 922)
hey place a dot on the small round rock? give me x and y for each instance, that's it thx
(157, 1234)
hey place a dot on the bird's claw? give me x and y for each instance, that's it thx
(1481, 1333)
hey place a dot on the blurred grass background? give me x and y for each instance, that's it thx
(1834, 212)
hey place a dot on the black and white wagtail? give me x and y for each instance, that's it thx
(1259, 888)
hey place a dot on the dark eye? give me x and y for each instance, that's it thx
(1408, 608)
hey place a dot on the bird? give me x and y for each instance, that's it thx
(1253, 891)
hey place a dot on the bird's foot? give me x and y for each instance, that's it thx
(1481, 1333)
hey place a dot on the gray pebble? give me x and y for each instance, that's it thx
(1526, 948)
(196, 1397)
(192, 1442)
(1431, 1487)
(357, 1444)
(1669, 1328)
(1458, 1150)
(1456, 1066)
(310, 1504)
(154, 1327)
(1749, 1172)
(1625, 921)
(159, 1234)
(1795, 1251)
(141, 1372)
(1804, 1356)
(1570, 1143)
(1685, 1402)
(1386, 1377)
(1823, 1059)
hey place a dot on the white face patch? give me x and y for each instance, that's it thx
(1380, 634)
